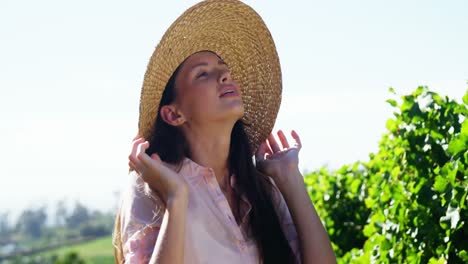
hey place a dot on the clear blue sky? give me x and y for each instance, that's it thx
(71, 72)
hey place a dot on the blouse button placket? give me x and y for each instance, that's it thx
(225, 208)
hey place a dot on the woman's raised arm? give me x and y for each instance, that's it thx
(173, 190)
(169, 246)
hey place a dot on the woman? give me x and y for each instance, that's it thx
(209, 100)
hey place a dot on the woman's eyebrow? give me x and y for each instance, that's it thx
(220, 62)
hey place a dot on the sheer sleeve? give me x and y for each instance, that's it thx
(287, 223)
(141, 216)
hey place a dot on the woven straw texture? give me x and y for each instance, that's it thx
(236, 33)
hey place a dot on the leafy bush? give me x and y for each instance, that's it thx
(408, 203)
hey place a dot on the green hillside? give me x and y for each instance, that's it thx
(96, 251)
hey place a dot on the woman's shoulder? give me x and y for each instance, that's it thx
(139, 217)
(140, 203)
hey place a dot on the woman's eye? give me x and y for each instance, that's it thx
(201, 74)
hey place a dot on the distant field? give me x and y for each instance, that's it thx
(98, 251)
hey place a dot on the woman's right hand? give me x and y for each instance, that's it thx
(162, 179)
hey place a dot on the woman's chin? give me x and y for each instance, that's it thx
(234, 113)
(238, 111)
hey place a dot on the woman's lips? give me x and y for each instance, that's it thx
(229, 91)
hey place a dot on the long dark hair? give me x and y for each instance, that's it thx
(263, 222)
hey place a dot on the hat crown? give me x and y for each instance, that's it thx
(236, 33)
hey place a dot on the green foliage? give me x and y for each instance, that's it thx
(69, 258)
(408, 203)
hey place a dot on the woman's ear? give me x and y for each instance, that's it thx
(171, 115)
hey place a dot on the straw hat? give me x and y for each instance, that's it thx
(236, 33)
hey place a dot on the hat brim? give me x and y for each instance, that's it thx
(236, 33)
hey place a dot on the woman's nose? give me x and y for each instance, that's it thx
(224, 75)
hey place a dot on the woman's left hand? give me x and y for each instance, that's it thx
(279, 162)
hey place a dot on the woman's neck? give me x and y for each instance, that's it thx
(209, 147)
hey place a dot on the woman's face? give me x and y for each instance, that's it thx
(205, 91)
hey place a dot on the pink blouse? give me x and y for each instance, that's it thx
(212, 234)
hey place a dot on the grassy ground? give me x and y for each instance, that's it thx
(98, 251)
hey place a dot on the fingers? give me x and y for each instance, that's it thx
(283, 139)
(141, 154)
(263, 151)
(138, 155)
(260, 151)
(273, 144)
(132, 165)
(297, 140)
(135, 143)
(268, 150)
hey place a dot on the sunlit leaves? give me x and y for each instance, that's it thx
(408, 203)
